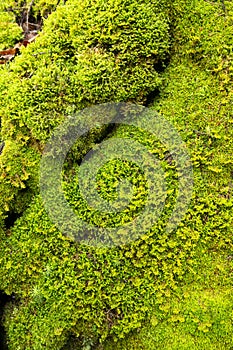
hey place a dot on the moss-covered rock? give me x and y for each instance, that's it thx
(72, 290)
(87, 53)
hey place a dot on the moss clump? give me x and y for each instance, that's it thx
(88, 53)
(196, 97)
(10, 32)
(100, 295)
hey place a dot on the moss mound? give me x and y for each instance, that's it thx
(71, 295)
(88, 53)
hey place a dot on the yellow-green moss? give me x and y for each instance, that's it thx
(68, 289)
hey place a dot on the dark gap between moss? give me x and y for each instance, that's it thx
(4, 299)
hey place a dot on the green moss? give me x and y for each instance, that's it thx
(197, 316)
(164, 290)
(196, 97)
(10, 32)
(88, 53)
